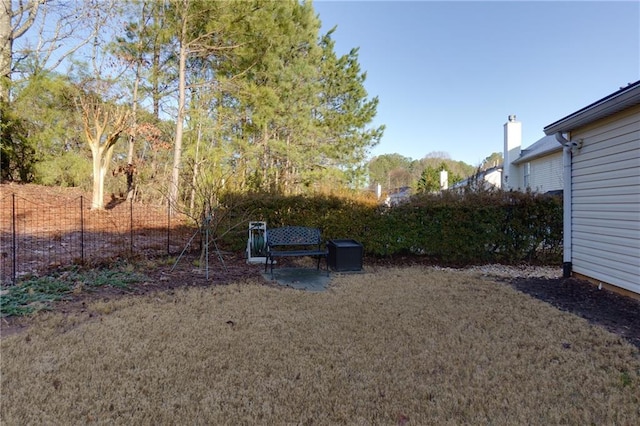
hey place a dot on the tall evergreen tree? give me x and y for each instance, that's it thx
(430, 178)
(204, 32)
(346, 112)
(278, 92)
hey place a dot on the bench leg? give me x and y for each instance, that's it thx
(272, 260)
(266, 264)
(326, 262)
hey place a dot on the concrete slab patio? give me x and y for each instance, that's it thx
(308, 279)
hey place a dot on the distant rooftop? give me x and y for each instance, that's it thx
(542, 147)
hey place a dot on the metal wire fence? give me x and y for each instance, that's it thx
(36, 236)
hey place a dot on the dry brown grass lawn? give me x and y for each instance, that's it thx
(398, 346)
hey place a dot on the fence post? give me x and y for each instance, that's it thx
(81, 230)
(13, 239)
(168, 227)
(131, 227)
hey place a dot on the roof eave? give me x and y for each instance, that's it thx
(527, 158)
(622, 99)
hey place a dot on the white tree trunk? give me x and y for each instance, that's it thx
(130, 154)
(23, 17)
(102, 128)
(6, 47)
(101, 160)
(97, 197)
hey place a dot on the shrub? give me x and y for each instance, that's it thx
(70, 169)
(450, 228)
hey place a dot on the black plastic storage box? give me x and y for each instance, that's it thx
(345, 255)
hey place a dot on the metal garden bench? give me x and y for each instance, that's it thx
(294, 241)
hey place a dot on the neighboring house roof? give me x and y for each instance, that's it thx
(545, 146)
(403, 190)
(624, 98)
(487, 172)
(478, 177)
(397, 195)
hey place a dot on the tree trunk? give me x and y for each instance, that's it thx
(6, 48)
(101, 159)
(194, 180)
(97, 193)
(132, 139)
(177, 149)
(9, 33)
(102, 129)
(265, 163)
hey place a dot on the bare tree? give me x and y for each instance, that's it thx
(102, 102)
(14, 23)
(103, 125)
(55, 33)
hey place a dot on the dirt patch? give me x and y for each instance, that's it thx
(43, 228)
(164, 277)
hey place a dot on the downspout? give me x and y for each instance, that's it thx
(566, 204)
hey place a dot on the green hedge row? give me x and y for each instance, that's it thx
(451, 229)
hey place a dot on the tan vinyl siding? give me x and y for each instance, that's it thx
(546, 173)
(606, 200)
(612, 226)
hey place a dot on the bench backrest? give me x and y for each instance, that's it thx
(293, 236)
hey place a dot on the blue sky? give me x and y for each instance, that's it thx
(448, 74)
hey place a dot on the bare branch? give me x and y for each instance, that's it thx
(63, 29)
(31, 8)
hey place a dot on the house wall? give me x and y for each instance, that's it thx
(606, 200)
(545, 173)
(493, 179)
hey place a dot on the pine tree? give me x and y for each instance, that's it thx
(345, 112)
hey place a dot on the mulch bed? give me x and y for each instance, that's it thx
(616, 313)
